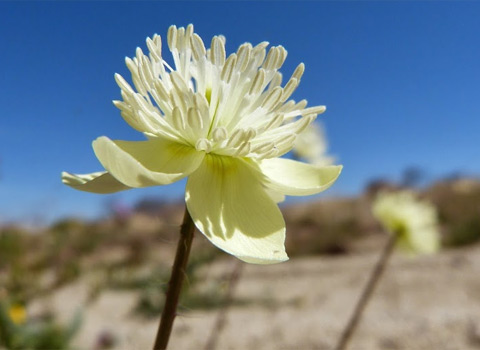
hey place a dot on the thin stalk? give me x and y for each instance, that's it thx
(367, 293)
(222, 315)
(175, 284)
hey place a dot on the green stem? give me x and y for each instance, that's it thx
(367, 293)
(175, 284)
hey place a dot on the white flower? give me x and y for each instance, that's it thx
(311, 145)
(221, 121)
(414, 221)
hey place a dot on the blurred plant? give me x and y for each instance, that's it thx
(17, 331)
(311, 145)
(458, 203)
(221, 319)
(12, 246)
(413, 227)
(464, 233)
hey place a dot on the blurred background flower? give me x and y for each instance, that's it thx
(413, 221)
(311, 145)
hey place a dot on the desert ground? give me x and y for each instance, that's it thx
(426, 302)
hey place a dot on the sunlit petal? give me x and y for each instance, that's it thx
(229, 206)
(99, 182)
(294, 178)
(147, 163)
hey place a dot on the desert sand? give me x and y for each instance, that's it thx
(426, 302)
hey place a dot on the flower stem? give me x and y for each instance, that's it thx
(175, 284)
(367, 292)
(222, 315)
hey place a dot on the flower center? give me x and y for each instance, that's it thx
(233, 106)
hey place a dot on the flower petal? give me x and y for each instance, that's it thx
(229, 206)
(424, 240)
(275, 196)
(99, 182)
(296, 178)
(157, 161)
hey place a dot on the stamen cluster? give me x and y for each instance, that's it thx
(233, 106)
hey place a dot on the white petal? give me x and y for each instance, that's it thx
(276, 197)
(99, 182)
(227, 202)
(154, 162)
(424, 240)
(296, 178)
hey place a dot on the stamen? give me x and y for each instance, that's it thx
(178, 82)
(282, 55)
(217, 53)
(297, 74)
(258, 81)
(180, 37)
(243, 56)
(302, 124)
(188, 36)
(289, 89)
(274, 122)
(145, 72)
(250, 134)
(203, 145)
(227, 70)
(155, 48)
(237, 138)
(271, 58)
(243, 150)
(219, 134)
(276, 80)
(259, 53)
(201, 103)
(285, 143)
(263, 147)
(198, 47)
(194, 119)
(287, 106)
(123, 84)
(161, 90)
(172, 37)
(178, 100)
(178, 119)
(272, 98)
(314, 110)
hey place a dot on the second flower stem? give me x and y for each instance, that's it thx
(175, 284)
(367, 293)
(222, 315)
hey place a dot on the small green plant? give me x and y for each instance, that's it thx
(19, 332)
(464, 233)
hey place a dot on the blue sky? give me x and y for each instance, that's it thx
(401, 82)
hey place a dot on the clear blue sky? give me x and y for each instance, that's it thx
(401, 82)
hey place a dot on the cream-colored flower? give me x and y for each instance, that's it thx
(223, 122)
(414, 221)
(311, 145)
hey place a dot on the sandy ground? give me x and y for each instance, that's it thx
(430, 302)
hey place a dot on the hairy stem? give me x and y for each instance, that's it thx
(367, 293)
(175, 284)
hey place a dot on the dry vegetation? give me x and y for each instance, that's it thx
(101, 284)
